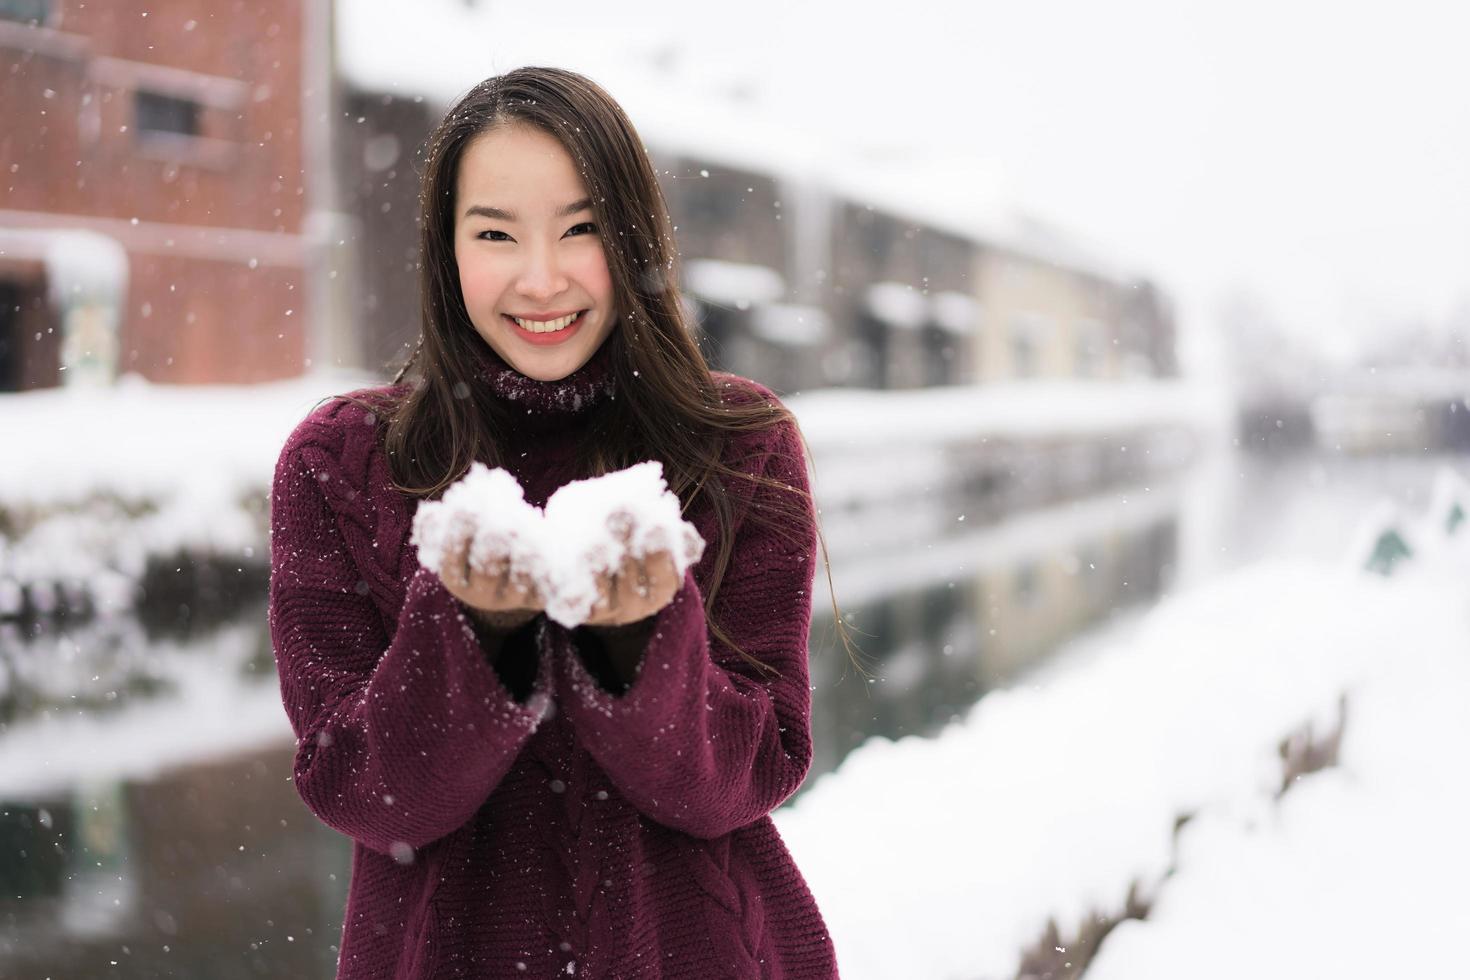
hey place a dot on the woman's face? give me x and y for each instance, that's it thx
(526, 248)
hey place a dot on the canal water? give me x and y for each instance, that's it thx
(148, 827)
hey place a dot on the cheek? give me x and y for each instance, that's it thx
(480, 283)
(593, 274)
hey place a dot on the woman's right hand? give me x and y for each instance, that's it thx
(496, 594)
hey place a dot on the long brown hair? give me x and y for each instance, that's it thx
(673, 413)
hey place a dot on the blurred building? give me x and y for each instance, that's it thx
(152, 217)
(905, 297)
(797, 285)
(167, 212)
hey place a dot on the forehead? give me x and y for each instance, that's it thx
(517, 167)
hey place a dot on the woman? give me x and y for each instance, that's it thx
(525, 799)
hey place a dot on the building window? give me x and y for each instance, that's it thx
(26, 11)
(939, 355)
(1025, 357)
(1090, 348)
(875, 237)
(1027, 584)
(166, 114)
(1030, 333)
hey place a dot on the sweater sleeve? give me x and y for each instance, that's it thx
(702, 741)
(399, 738)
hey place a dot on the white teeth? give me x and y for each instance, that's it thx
(548, 326)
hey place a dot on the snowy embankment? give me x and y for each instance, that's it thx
(947, 858)
(108, 480)
(105, 480)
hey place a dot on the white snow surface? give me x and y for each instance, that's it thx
(485, 513)
(832, 419)
(103, 479)
(143, 441)
(588, 529)
(1049, 799)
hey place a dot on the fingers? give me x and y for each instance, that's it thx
(502, 581)
(621, 525)
(640, 587)
(492, 586)
(641, 580)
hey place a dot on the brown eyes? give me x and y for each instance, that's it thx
(589, 226)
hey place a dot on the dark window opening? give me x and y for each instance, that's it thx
(10, 336)
(939, 356)
(871, 334)
(167, 114)
(26, 11)
(716, 327)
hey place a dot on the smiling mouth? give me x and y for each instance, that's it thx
(546, 326)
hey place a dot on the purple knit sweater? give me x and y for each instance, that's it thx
(532, 817)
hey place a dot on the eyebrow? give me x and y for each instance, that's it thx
(500, 214)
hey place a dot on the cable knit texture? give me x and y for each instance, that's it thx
(530, 817)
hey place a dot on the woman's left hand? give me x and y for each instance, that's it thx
(636, 590)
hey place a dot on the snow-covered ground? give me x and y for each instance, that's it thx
(110, 477)
(142, 441)
(945, 858)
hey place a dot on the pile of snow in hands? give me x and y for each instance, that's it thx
(588, 529)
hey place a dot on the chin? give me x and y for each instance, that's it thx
(553, 369)
(545, 365)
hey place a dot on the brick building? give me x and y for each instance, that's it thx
(153, 201)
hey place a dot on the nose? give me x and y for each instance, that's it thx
(541, 277)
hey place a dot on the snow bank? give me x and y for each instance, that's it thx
(109, 478)
(834, 419)
(141, 441)
(1050, 799)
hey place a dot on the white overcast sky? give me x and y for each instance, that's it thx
(1317, 153)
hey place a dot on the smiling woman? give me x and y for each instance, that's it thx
(532, 270)
(527, 799)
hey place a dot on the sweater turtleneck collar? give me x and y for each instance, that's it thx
(549, 402)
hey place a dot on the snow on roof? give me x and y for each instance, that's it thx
(956, 312)
(897, 304)
(901, 305)
(79, 264)
(737, 284)
(791, 324)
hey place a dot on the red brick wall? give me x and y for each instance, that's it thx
(195, 321)
(212, 226)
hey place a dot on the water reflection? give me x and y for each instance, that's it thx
(213, 870)
(147, 825)
(994, 604)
